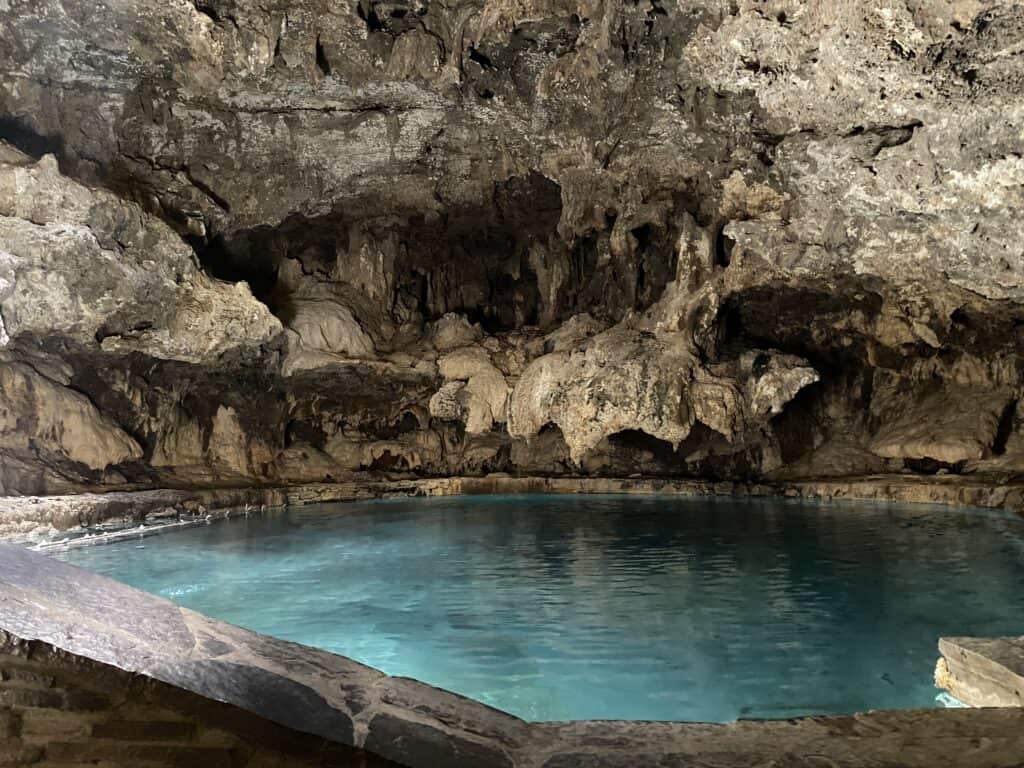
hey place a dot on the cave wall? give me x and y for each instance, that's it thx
(296, 240)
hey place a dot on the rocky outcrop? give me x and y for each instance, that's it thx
(45, 423)
(271, 243)
(88, 266)
(633, 380)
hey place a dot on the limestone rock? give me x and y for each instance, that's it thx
(773, 381)
(321, 332)
(621, 381)
(294, 241)
(39, 417)
(452, 331)
(939, 426)
(476, 391)
(485, 393)
(446, 404)
(88, 265)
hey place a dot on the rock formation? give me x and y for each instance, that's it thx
(270, 242)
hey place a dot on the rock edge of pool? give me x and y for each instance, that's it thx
(57, 617)
(41, 519)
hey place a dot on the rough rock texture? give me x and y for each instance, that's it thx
(289, 241)
(58, 709)
(54, 521)
(982, 671)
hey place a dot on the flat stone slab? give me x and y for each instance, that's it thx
(983, 671)
(413, 724)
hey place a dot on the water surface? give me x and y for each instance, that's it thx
(572, 607)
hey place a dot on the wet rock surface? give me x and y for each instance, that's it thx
(290, 242)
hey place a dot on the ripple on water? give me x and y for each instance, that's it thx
(561, 607)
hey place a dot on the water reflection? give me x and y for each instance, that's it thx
(611, 607)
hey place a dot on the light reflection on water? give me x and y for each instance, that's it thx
(572, 607)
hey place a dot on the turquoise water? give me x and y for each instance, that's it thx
(569, 607)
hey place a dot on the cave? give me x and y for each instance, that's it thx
(599, 364)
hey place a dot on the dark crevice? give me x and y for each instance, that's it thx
(776, 316)
(217, 11)
(723, 246)
(23, 138)
(207, 9)
(1005, 429)
(886, 136)
(386, 462)
(904, 53)
(369, 15)
(321, 59)
(406, 424)
(300, 431)
(203, 187)
(928, 466)
(635, 441)
(278, 58)
(797, 425)
(643, 234)
(481, 59)
(895, 136)
(233, 261)
(606, 161)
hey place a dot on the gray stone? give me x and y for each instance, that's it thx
(982, 672)
(704, 239)
(413, 743)
(273, 696)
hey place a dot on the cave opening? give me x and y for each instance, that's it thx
(387, 462)
(636, 440)
(23, 137)
(929, 466)
(806, 322)
(494, 264)
(633, 450)
(236, 259)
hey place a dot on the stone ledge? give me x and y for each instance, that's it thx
(99, 621)
(981, 671)
(36, 518)
(133, 720)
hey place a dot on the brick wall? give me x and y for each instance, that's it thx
(62, 711)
